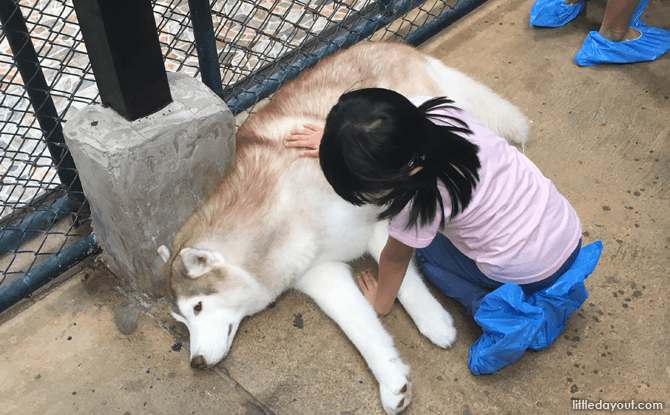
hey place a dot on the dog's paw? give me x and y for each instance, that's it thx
(395, 388)
(439, 328)
(396, 400)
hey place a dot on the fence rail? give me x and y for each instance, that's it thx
(243, 49)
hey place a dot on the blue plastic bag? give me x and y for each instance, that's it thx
(635, 18)
(553, 13)
(512, 324)
(652, 44)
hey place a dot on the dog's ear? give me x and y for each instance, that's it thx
(199, 261)
(164, 253)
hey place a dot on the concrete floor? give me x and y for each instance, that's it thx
(602, 134)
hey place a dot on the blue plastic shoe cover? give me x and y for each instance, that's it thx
(650, 45)
(511, 324)
(554, 13)
(635, 19)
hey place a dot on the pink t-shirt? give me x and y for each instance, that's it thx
(517, 228)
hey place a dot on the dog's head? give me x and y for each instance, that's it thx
(210, 296)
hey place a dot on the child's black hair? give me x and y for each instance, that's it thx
(375, 137)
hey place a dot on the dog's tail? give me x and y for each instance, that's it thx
(496, 113)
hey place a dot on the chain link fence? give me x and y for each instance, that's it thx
(260, 45)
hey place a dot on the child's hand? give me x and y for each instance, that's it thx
(309, 138)
(368, 286)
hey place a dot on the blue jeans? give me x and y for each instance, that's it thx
(458, 276)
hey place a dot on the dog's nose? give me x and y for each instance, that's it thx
(198, 362)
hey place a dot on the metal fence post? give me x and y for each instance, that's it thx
(205, 42)
(122, 43)
(385, 7)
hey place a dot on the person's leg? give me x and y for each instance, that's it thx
(615, 24)
(511, 324)
(456, 275)
(623, 37)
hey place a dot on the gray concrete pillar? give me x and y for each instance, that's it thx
(143, 178)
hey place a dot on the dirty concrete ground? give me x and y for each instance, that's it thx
(602, 134)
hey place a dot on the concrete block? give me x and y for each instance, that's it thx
(143, 178)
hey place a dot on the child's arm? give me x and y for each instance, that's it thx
(393, 263)
(309, 138)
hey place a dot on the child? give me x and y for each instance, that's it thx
(478, 212)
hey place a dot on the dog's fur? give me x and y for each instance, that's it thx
(275, 223)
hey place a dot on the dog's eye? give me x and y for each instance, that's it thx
(198, 308)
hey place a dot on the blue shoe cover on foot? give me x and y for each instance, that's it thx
(554, 13)
(635, 18)
(511, 324)
(650, 45)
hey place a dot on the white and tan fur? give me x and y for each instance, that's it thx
(274, 222)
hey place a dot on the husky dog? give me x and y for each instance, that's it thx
(274, 222)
